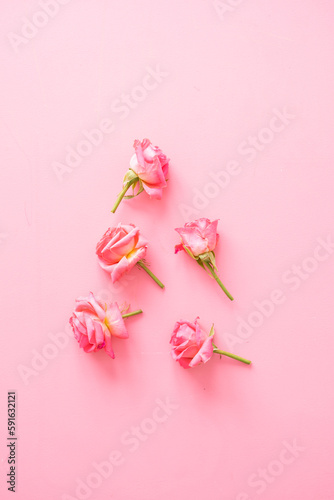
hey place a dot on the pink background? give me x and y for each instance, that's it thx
(225, 70)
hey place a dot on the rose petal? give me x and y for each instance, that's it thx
(115, 322)
(204, 354)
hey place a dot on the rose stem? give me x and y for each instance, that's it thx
(218, 280)
(142, 265)
(122, 193)
(234, 356)
(133, 313)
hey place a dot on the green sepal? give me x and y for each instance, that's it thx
(209, 257)
(141, 189)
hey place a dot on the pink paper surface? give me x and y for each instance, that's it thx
(239, 94)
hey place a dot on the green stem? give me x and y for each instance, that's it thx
(122, 193)
(234, 356)
(142, 265)
(218, 280)
(133, 313)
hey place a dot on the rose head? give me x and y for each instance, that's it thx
(148, 171)
(199, 236)
(119, 249)
(150, 164)
(190, 345)
(199, 239)
(94, 322)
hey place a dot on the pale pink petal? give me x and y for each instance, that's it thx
(105, 266)
(99, 333)
(139, 154)
(211, 235)
(154, 192)
(202, 223)
(135, 256)
(183, 324)
(127, 263)
(91, 304)
(112, 252)
(193, 240)
(117, 270)
(110, 235)
(115, 322)
(78, 325)
(188, 352)
(204, 354)
(149, 151)
(134, 163)
(90, 329)
(152, 174)
(108, 347)
(200, 335)
(165, 168)
(141, 242)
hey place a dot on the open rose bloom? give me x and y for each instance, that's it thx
(94, 323)
(148, 172)
(192, 346)
(119, 249)
(199, 239)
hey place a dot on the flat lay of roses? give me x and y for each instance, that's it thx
(95, 323)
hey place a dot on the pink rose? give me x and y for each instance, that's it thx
(199, 236)
(199, 239)
(151, 166)
(94, 322)
(148, 171)
(190, 345)
(119, 249)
